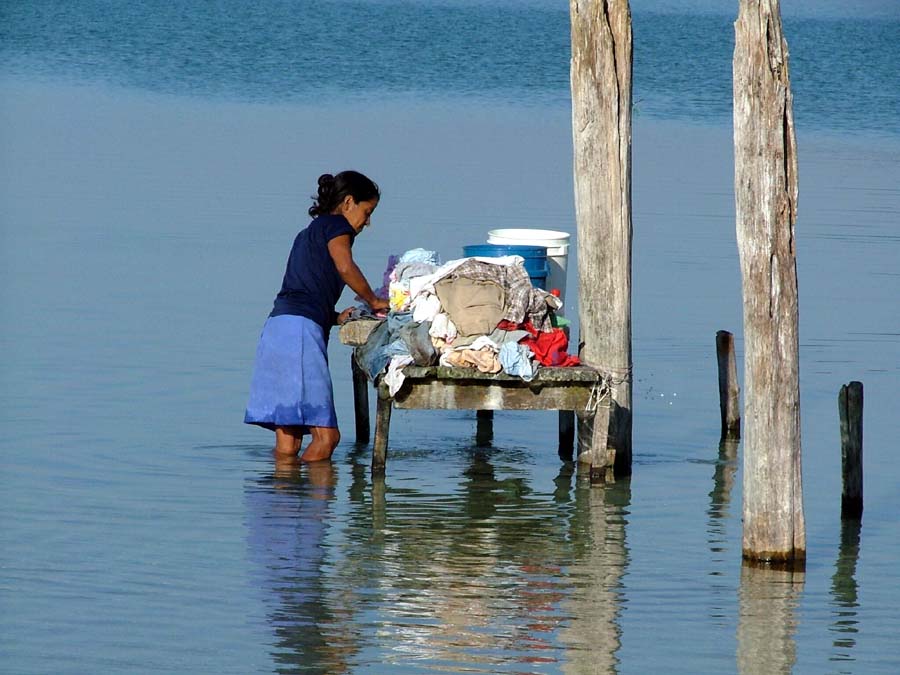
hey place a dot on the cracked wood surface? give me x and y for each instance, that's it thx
(765, 180)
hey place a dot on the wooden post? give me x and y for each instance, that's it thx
(850, 405)
(360, 400)
(566, 435)
(595, 458)
(484, 429)
(729, 389)
(383, 408)
(601, 128)
(765, 181)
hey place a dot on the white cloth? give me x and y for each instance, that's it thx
(480, 343)
(425, 307)
(394, 376)
(443, 328)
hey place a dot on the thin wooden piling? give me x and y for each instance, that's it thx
(566, 435)
(729, 389)
(360, 401)
(596, 459)
(765, 179)
(601, 126)
(850, 406)
(484, 429)
(383, 409)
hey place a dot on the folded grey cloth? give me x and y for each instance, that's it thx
(416, 337)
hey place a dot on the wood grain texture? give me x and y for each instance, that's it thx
(729, 388)
(850, 406)
(601, 72)
(766, 191)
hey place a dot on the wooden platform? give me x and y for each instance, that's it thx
(573, 391)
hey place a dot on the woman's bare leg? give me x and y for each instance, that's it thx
(324, 441)
(287, 441)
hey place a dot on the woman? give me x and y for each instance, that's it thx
(291, 392)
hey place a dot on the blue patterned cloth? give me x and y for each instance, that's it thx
(291, 383)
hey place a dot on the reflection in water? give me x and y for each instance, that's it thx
(490, 576)
(767, 622)
(288, 512)
(844, 592)
(600, 559)
(485, 578)
(716, 528)
(720, 496)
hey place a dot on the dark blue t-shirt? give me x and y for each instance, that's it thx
(312, 285)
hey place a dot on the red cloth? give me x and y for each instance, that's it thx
(549, 347)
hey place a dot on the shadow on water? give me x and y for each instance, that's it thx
(767, 621)
(844, 596)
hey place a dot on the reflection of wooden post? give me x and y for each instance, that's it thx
(723, 481)
(601, 127)
(378, 507)
(850, 405)
(765, 181)
(729, 389)
(767, 622)
(844, 591)
(593, 635)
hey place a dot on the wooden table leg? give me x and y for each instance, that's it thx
(360, 401)
(382, 429)
(566, 435)
(484, 431)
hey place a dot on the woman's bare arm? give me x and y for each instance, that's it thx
(341, 254)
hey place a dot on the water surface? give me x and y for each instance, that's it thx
(148, 204)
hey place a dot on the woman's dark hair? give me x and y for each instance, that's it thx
(334, 189)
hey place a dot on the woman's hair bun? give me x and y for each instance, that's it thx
(333, 189)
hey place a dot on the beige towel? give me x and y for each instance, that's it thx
(476, 307)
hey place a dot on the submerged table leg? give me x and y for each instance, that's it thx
(382, 429)
(360, 401)
(566, 435)
(484, 431)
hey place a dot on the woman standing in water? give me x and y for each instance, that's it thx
(291, 392)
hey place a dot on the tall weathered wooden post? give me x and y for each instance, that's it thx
(765, 182)
(601, 128)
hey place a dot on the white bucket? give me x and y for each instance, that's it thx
(557, 244)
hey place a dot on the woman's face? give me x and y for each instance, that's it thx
(358, 214)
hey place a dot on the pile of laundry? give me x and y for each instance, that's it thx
(480, 313)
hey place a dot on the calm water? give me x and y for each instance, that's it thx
(155, 162)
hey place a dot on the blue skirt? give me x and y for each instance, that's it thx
(291, 383)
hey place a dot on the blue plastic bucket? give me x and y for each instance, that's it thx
(535, 258)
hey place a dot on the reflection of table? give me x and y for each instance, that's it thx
(572, 391)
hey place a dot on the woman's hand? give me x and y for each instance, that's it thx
(378, 304)
(343, 316)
